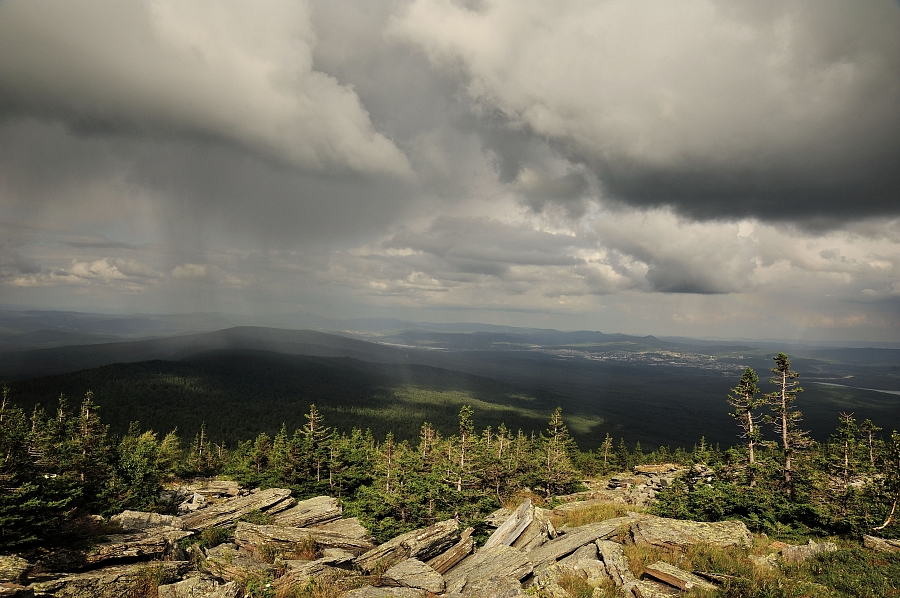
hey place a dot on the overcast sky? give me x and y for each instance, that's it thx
(703, 168)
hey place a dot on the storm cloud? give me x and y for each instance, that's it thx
(701, 167)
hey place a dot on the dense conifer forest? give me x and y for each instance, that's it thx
(62, 463)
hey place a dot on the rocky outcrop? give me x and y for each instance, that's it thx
(456, 553)
(199, 587)
(510, 530)
(13, 568)
(880, 544)
(676, 533)
(133, 521)
(286, 539)
(798, 554)
(413, 573)
(305, 513)
(574, 539)
(152, 544)
(227, 512)
(120, 581)
(616, 564)
(228, 562)
(422, 544)
(499, 561)
(381, 592)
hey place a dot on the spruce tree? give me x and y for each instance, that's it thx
(786, 418)
(745, 401)
(558, 446)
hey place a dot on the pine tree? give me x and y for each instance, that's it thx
(869, 429)
(786, 418)
(557, 448)
(745, 401)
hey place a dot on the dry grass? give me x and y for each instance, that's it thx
(306, 550)
(513, 501)
(592, 514)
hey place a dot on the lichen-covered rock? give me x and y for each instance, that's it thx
(305, 513)
(616, 563)
(229, 511)
(491, 587)
(152, 544)
(421, 544)
(798, 554)
(413, 573)
(574, 539)
(231, 564)
(498, 561)
(122, 581)
(131, 521)
(510, 530)
(286, 538)
(880, 544)
(385, 592)
(675, 533)
(456, 553)
(199, 587)
(13, 568)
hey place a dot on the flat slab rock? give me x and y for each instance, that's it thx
(131, 521)
(111, 582)
(305, 513)
(413, 573)
(422, 544)
(349, 528)
(881, 544)
(498, 561)
(153, 544)
(228, 511)
(251, 536)
(385, 592)
(492, 587)
(13, 568)
(676, 533)
(574, 539)
(798, 554)
(199, 587)
(456, 553)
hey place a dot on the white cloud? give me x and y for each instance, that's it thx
(213, 68)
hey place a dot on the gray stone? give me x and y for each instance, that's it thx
(798, 554)
(880, 544)
(385, 592)
(510, 530)
(422, 544)
(288, 538)
(413, 573)
(13, 568)
(676, 533)
(494, 587)
(616, 563)
(453, 555)
(122, 581)
(199, 587)
(574, 539)
(498, 561)
(305, 513)
(131, 521)
(498, 517)
(676, 577)
(14, 590)
(229, 511)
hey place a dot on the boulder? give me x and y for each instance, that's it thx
(492, 587)
(676, 577)
(574, 539)
(229, 511)
(498, 561)
(798, 554)
(14, 590)
(199, 587)
(131, 521)
(155, 543)
(349, 528)
(413, 573)
(453, 555)
(616, 563)
(305, 513)
(879, 544)
(422, 544)
(252, 536)
(228, 562)
(119, 581)
(585, 563)
(300, 573)
(13, 569)
(676, 534)
(383, 592)
(539, 531)
(510, 530)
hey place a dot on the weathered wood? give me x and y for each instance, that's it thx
(881, 544)
(507, 533)
(676, 577)
(228, 511)
(616, 563)
(498, 561)
(676, 533)
(574, 539)
(306, 513)
(453, 555)
(413, 573)
(286, 538)
(422, 544)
